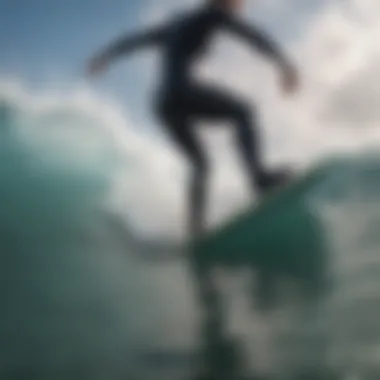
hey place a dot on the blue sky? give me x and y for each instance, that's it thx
(41, 34)
(45, 40)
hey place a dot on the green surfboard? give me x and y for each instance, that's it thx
(280, 234)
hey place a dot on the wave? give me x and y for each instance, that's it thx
(75, 298)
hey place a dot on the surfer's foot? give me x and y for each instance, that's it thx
(268, 180)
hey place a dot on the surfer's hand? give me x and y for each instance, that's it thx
(289, 80)
(96, 66)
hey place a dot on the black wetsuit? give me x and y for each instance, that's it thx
(182, 100)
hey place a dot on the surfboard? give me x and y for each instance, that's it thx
(279, 233)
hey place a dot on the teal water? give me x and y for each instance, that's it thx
(73, 304)
(76, 304)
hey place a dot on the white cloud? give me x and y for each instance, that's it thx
(333, 54)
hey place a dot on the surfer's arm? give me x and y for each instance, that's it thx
(257, 39)
(267, 47)
(126, 45)
(129, 43)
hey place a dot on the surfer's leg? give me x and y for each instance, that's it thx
(249, 145)
(184, 136)
(213, 103)
(247, 140)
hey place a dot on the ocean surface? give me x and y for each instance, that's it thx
(77, 302)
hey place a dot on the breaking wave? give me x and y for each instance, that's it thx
(76, 302)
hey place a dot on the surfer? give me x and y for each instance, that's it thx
(183, 100)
